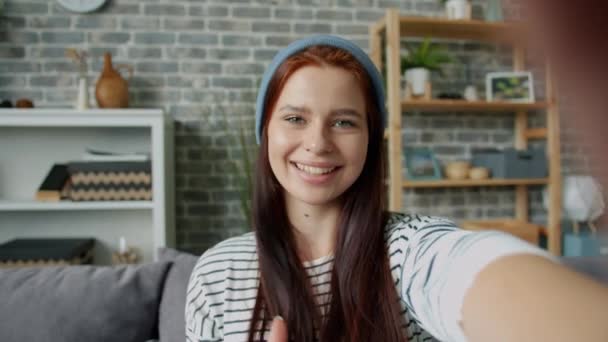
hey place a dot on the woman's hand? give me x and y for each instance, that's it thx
(278, 330)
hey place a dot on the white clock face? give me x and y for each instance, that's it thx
(81, 6)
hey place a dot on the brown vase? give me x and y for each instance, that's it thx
(112, 90)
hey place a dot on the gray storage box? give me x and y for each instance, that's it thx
(512, 163)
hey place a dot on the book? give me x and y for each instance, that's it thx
(110, 181)
(101, 155)
(109, 166)
(32, 249)
(51, 187)
(118, 179)
(111, 193)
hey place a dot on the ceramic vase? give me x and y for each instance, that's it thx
(82, 101)
(112, 90)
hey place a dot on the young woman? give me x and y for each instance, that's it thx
(328, 259)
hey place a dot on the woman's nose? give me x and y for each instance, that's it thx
(318, 140)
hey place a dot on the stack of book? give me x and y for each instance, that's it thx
(100, 176)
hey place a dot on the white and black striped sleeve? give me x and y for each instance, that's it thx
(440, 264)
(201, 325)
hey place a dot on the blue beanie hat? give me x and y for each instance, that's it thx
(302, 44)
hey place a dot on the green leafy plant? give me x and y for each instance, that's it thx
(243, 170)
(428, 56)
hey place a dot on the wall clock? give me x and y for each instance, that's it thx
(81, 6)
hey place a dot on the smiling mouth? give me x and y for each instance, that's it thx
(314, 170)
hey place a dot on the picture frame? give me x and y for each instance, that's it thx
(510, 86)
(421, 164)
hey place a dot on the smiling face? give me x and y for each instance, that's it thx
(318, 135)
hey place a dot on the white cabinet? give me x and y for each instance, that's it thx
(32, 140)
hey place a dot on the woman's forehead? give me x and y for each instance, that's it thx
(322, 86)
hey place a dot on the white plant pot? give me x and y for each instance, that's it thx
(417, 78)
(457, 9)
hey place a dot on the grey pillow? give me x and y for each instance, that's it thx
(81, 303)
(172, 323)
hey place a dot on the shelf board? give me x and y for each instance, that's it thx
(25, 205)
(468, 183)
(501, 221)
(476, 30)
(67, 117)
(526, 230)
(536, 133)
(463, 105)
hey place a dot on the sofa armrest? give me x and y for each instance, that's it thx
(593, 266)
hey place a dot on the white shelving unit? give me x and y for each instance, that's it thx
(32, 140)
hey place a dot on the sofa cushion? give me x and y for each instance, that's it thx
(172, 323)
(593, 266)
(81, 303)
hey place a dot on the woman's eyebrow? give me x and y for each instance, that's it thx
(347, 111)
(294, 109)
(339, 111)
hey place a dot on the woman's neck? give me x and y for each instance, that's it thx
(315, 227)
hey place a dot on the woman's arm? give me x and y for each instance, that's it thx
(530, 298)
(514, 300)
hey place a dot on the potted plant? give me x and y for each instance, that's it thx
(418, 64)
(457, 9)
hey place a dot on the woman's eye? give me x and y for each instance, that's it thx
(294, 119)
(344, 123)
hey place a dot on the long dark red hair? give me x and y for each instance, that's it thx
(364, 302)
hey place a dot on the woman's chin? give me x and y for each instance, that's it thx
(313, 198)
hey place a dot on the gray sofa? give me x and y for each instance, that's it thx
(120, 303)
(90, 303)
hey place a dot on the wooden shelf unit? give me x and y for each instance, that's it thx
(470, 106)
(386, 35)
(477, 30)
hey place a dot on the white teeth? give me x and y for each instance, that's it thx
(314, 170)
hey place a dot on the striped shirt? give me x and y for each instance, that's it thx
(432, 261)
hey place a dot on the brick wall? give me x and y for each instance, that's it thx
(202, 60)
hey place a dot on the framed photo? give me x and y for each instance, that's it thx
(421, 164)
(513, 86)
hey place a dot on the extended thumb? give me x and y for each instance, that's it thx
(278, 330)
